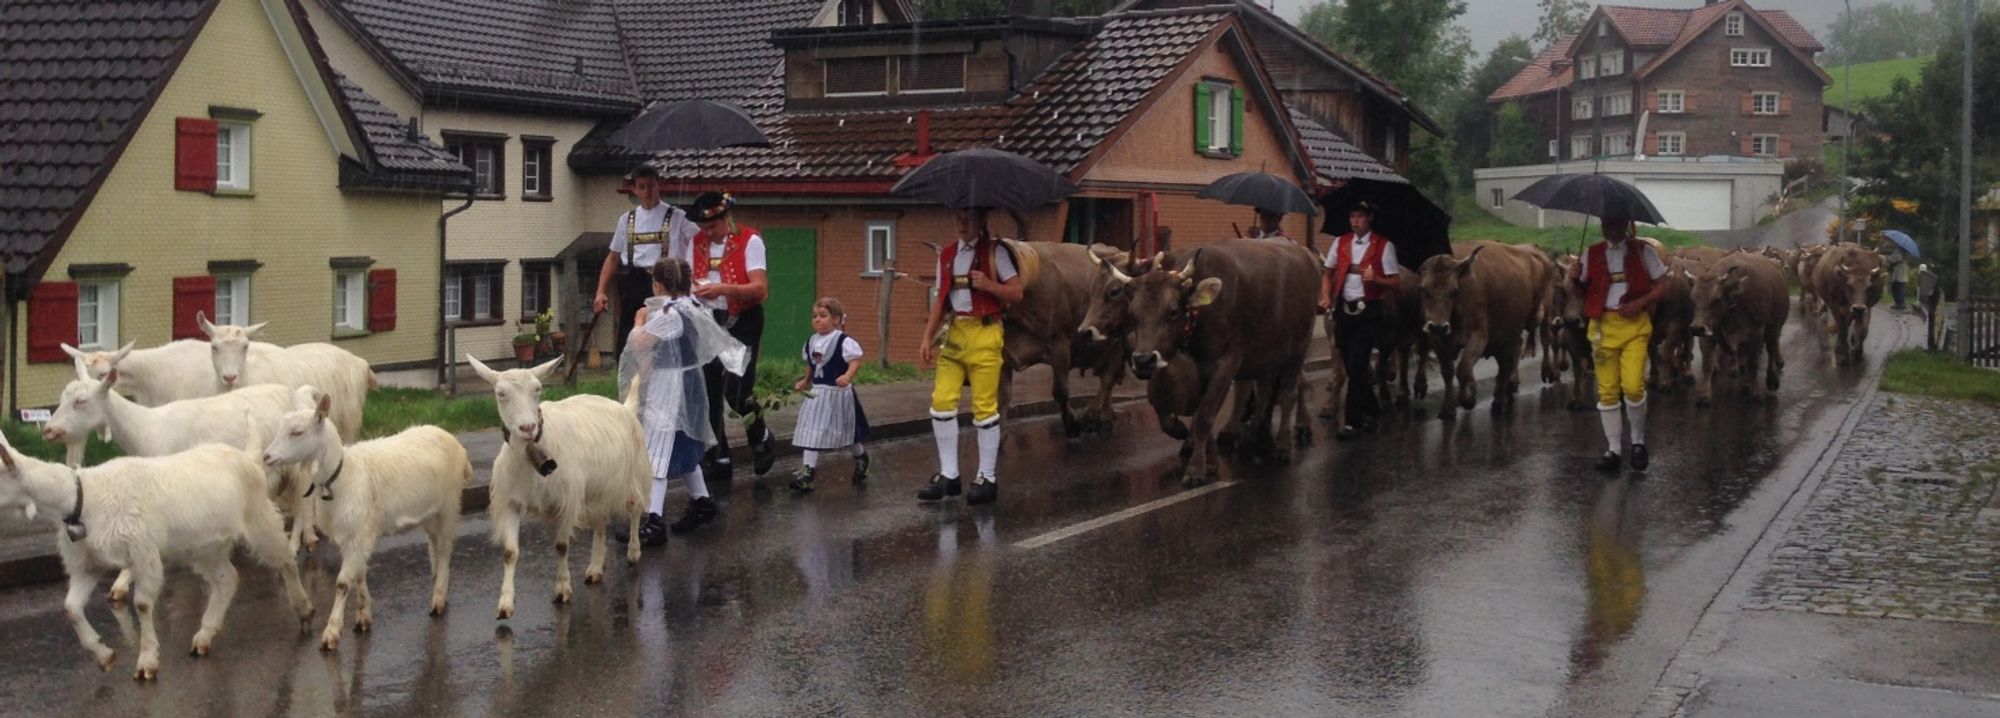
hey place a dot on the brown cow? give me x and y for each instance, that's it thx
(1701, 254)
(1672, 347)
(1243, 310)
(1740, 305)
(1803, 262)
(1848, 282)
(1573, 339)
(1480, 301)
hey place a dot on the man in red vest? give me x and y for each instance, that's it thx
(1620, 278)
(976, 281)
(729, 277)
(1361, 272)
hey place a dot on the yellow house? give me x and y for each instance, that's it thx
(159, 159)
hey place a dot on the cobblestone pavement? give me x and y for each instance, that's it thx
(1905, 525)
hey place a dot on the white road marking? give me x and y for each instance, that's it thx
(1109, 519)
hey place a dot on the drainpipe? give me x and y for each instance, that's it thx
(445, 373)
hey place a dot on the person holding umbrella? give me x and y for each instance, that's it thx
(978, 279)
(1620, 278)
(1270, 225)
(1361, 270)
(639, 239)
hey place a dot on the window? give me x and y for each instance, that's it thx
(1619, 104)
(535, 168)
(1673, 101)
(1764, 145)
(350, 301)
(1583, 109)
(1552, 150)
(232, 156)
(1579, 146)
(1618, 144)
(852, 76)
(1750, 57)
(856, 12)
(1497, 200)
(472, 292)
(1732, 24)
(483, 155)
(1218, 119)
(1764, 103)
(97, 316)
(1389, 146)
(931, 73)
(1603, 29)
(881, 247)
(1586, 68)
(232, 300)
(1673, 144)
(452, 297)
(1611, 63)
(537, 289)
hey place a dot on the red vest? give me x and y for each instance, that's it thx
(983, 304)
(732, 263)
(1370, 258)
(1598, 280)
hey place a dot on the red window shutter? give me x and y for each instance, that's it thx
(1749, 103)
(194, 154)
(1784, 104)
(192, 295)
(381, 300)
(1748, 149)
(1652, 142)
(1784, 147)
(51, 321)
(1688, 103)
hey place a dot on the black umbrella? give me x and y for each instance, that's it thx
(1595, 195)
(984, 178)
(1262, 190)
(1409, 220)
(690, 125)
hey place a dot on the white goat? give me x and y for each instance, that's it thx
(333, 370)
(574, 462)
(376, 487)
(139, 514)
(176, 370)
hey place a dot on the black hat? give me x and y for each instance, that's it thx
(710, 205)
(1363, 206)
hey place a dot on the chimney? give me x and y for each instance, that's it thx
(923, 152)
(1030, 8)
(411, 132)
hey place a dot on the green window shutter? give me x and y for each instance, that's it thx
(1201, 116)
(1236, 121)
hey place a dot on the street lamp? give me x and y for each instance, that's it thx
(1965, 193)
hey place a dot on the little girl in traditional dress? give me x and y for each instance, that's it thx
(672, 338)
(831, 418)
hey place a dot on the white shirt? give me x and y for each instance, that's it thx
(650, 220)
(820, 344)
(1614, 262)
(961, 299)
(1352, 289)
(753, 261)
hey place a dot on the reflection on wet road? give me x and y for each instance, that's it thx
(1470, 568)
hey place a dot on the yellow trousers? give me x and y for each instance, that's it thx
(971, 351)
(1618, 346)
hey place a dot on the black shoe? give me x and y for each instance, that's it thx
(860, 469)
(984, 491)
(1639, 457)
(650, 523)
(939, 488)
(699, 511)
(1349, 432)
(764, 454)
(1610, 462)
(803, 482)
(720, 468)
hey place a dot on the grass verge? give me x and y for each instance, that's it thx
(1471, 221)
(1915, 371)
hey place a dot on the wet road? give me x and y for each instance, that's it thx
(1471, 568)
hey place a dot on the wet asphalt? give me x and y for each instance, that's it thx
(1478, 567)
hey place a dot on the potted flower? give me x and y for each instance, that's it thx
(524, 347)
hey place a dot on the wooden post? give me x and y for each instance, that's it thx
(884, 293)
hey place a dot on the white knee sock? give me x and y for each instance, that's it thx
(1614, 434)
(1635, 414)
(945, 428)
(659, 505)
(697, 486)
(989, 448)
(859, 450)
(809, 457)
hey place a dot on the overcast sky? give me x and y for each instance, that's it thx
(1491, 20)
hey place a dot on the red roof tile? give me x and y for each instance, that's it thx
(1647, 26)
(1540, 75)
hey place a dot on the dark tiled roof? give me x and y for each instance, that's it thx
(389, 140)
(1794, 32)
(1076, 104)
(727, 58)
(551, 50)
(1334, 158)
(1540, 75)
(76, 77)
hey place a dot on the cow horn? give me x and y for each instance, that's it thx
(1187, 268)
(1845, 268)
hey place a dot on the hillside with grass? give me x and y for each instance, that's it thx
(1871, 79)
(1469, 221)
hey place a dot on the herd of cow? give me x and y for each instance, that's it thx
(1239, 314)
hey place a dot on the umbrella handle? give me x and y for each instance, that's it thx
(1236, 229)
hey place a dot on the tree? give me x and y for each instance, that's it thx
(1413, 43)
(1470, 117)
(1514, 140)
(1879, 32)
(1560, 19)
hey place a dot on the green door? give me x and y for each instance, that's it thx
(792, 259)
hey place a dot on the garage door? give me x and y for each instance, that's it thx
(1690, 204)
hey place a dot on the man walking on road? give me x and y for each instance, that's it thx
(1361, 271)
(642, 235)
(977, 279)
(1620, 280)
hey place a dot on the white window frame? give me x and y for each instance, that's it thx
(533, 171)
(350, 302)
(825, 71)
(1611, 63)
(1499, 198)
(1612, 102)
(1732, 24)
(1583, 109)
(1618, 144)
(1679, 140)
(964, 65)
(1586, 67)
(1749, 57)
(1603, 29)
(1672, 102)
(234, 291)
(1763, 145)
(452, 298)
(1220, 111)
(1757, 99)
(232, 156)
(878, 261)
(100, 300)
(1579, 146)
(1554, 145)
